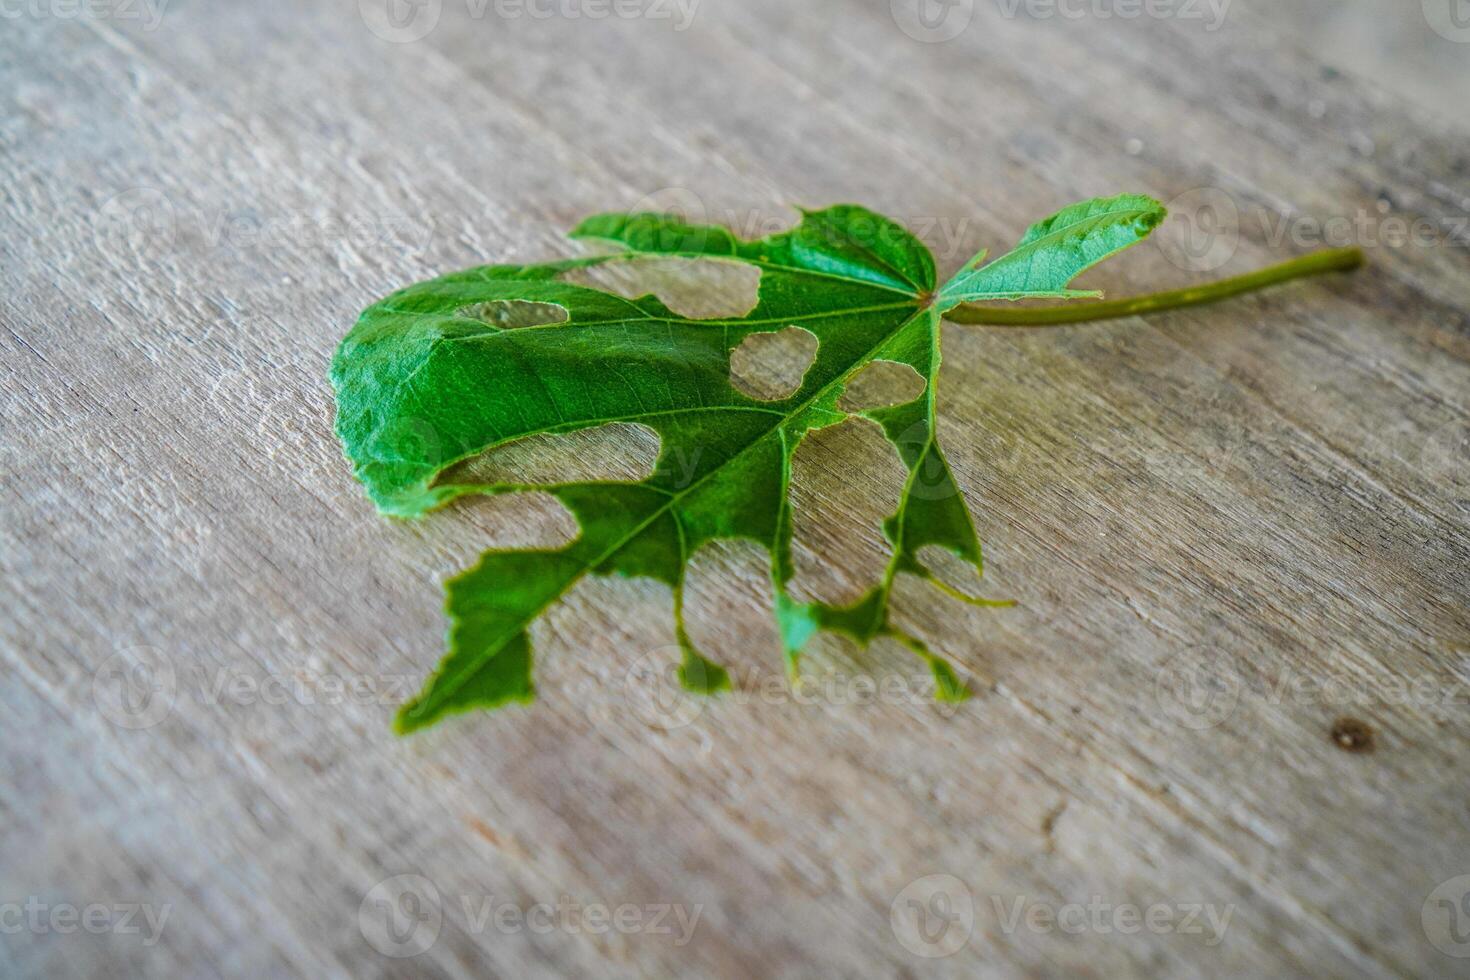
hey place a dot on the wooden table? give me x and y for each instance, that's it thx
(1223, 733)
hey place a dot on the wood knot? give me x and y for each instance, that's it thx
(1352, 735)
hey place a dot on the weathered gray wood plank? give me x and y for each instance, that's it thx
(1269, 499)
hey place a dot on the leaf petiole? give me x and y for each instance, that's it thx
(1327, 260)
(973, 600)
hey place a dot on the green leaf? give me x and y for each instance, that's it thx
(1053, 252)
(448, 369)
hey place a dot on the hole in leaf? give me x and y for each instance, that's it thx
(845, 479)
(513, 521)
(881, 383)
(459, 534)
(510, 313)
(958, 573)
(770, 366)
(700, 289)
(620, 451)
(728, 608)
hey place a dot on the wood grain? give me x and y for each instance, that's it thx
(1228, 529)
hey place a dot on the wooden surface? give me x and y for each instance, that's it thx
(1238, 534)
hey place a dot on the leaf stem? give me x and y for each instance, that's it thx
(1328, 260)
(973, 600)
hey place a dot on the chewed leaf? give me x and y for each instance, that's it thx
(1054, 252)
(446, 370)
